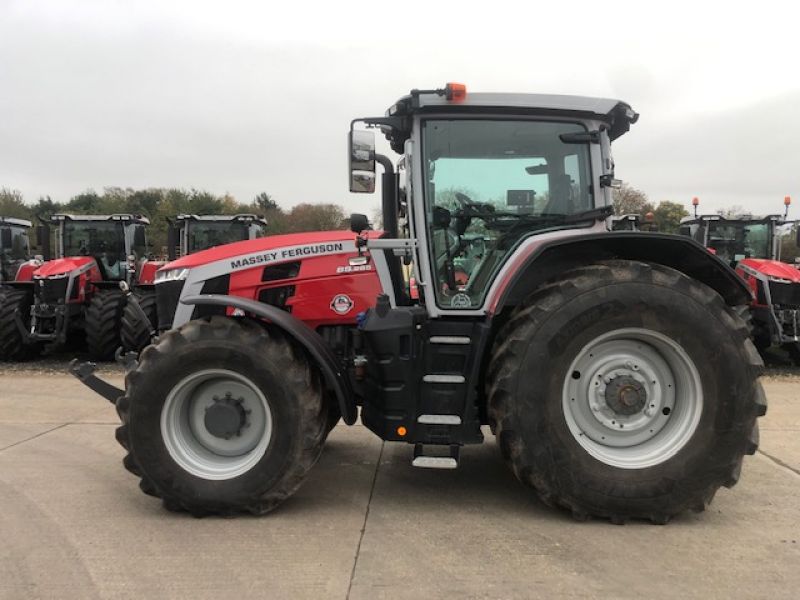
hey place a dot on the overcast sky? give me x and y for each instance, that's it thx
(244, 97)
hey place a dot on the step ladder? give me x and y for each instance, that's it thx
(438, 457)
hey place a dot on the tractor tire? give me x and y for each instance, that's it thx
(135, 332)
(625, 390)
(12, 343)
(268, 428)
(102, 324)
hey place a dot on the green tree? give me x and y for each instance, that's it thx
(629, 200)
(315, 217)
(263, 202)
(12, 205)
(668, 216)
(84, 203)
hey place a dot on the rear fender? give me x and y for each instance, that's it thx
(546, 261)
(310, 340)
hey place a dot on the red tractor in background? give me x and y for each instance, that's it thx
(613, 367)
(186, 234)
(77, 295)
(15, 248)
(752, 246)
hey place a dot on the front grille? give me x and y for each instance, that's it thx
(51, 291)
(168, 293)
(785, 294)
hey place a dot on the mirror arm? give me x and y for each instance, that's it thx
(388, 199)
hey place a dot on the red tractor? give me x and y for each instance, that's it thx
(752, 246)
(77, 295)
(586, 351)
(186, 234)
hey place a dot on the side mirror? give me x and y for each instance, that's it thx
(172, 241)
(358, 223)
(5, 237)
(362, 161)
(43, 240)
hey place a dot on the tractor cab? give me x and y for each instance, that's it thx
(117, 243)
(192, 233)
(734, 239)
(485, 174)
(14, 246)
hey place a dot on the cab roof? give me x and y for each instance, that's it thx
(396, 125)
(15, 221)
(115, 217)
(222, 218)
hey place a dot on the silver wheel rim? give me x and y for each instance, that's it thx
(197, 449)
(632, 398)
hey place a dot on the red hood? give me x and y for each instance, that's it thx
(773, 268)
(60, 266)
(261, 244)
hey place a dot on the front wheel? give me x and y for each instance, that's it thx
(222, 416)
(626, 390)
(103, 319)
(136, 325)
(15, 303)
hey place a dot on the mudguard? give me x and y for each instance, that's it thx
(300, 332)
(544, 261)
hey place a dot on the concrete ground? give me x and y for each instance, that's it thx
(73, 523)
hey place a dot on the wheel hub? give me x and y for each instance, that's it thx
(226, 417)
(626, 396)
(216, 424)
(632, 397)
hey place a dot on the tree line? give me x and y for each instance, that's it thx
(158, 204)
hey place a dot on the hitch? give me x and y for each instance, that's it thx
(84, 371)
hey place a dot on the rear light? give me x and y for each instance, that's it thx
(455, 92)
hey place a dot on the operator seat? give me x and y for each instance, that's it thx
(562, 199)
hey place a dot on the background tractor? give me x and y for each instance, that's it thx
(585, 350)
(77, 295)
(186, 234)
(15, 248)
(752, 246)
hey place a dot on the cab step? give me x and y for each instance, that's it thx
(435, 460)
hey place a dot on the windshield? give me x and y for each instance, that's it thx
(735, 241)
(204, 235)
(15, 253)
(19, 247)
(490, 183)
(103, 240)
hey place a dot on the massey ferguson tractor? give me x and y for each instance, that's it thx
(586, 351)
(186, 234)
(752, 246)
(15, 248)
(77, 295)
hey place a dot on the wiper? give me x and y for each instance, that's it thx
(593, 214)
(600, 213)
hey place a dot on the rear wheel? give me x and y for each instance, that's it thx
(135, 330)
(626, 390)
(103, 320)
(12, 343)
(222, 416)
